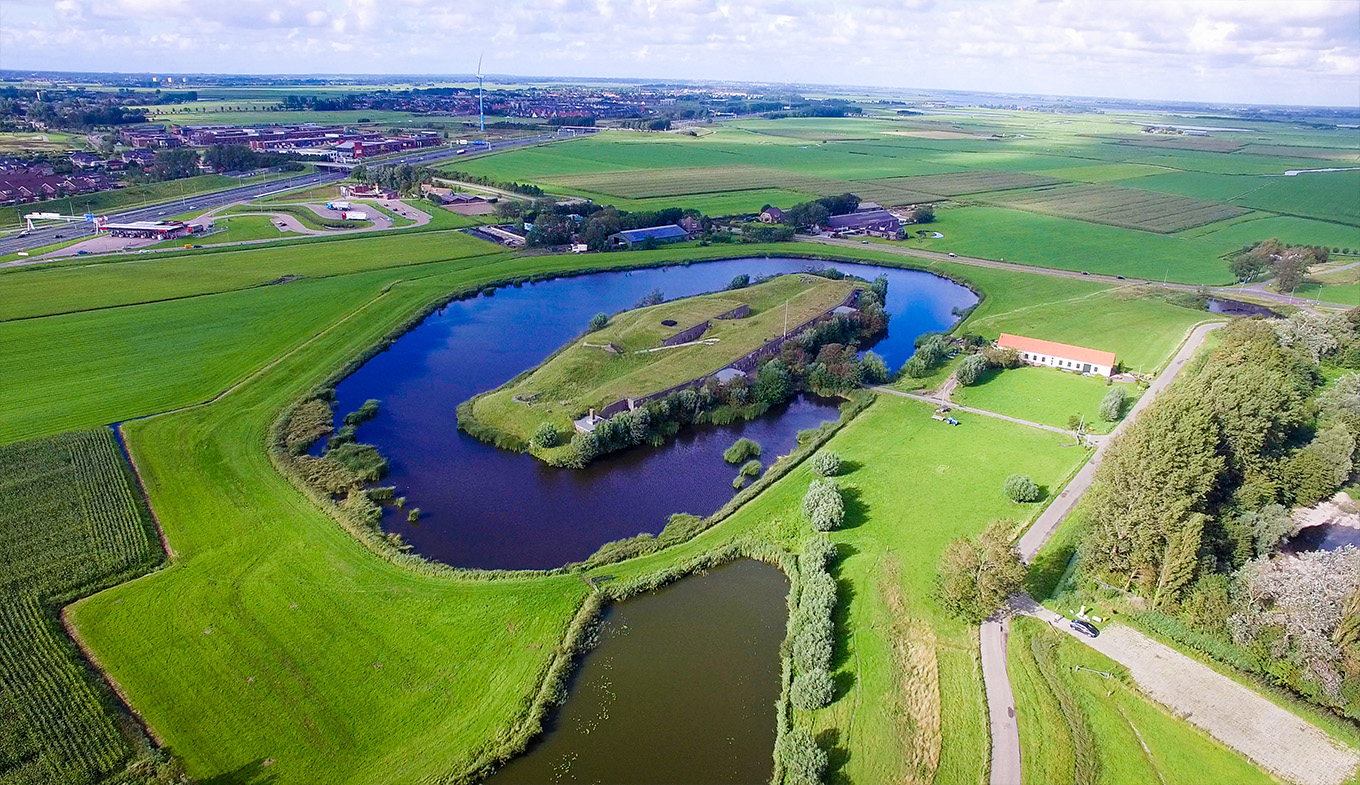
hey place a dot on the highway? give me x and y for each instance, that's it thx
(46, 235)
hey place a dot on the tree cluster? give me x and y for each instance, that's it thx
(1287, 264)
(402, 178)
(977, 574)
(1191, 502)
(806, 215)
(240, 158)
(824, 506)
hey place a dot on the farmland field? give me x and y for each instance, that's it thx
(968, 182)
(1329, 196)
(1126, 207)
(1070, 244)
(71, 523)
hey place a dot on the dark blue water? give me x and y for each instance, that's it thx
(1327, 537)
(487, 508)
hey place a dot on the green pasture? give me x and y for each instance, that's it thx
(1070, 244)
(1329, 196)
(1042, 395)
(1104, 173)
(1258, 226)
(22, 142)
(87, 284)
(1078, 726)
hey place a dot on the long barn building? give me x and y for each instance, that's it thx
(1059, 355)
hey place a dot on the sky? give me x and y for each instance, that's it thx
(1222, 51)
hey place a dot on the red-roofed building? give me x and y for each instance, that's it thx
(1059, 355)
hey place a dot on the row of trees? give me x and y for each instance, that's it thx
(1191, 502)
(403, 178)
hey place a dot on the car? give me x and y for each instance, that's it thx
(57, 236)
(863, 242)
(1083, 272)
(82, 253)
(953, 255)
(1120, 277)
(1084, 627)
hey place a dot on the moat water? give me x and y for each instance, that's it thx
(682, 688)
(488, 508)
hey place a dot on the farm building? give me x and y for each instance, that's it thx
(634, 238)
(875, 221)
(1059, 355)
(769, 214)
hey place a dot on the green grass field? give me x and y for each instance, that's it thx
(72, 522)
(1079, 727)
(1069, 244)
(311, 659)
(1043, 395)
(249, 546)
(584, 375)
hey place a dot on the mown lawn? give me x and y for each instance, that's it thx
(1042, 395)
(1078, 726)
(234, 229)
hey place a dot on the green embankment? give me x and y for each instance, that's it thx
(421, 673)
(71, 523)
(1076, 726)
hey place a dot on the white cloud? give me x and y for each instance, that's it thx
(1301, 51)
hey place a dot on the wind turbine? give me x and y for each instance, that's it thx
(481, 106)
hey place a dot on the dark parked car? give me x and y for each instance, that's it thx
(1084, 627)
(1120, 277)
(1083, 272)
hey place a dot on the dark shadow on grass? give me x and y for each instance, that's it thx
(849, 467)
(837, 757)
(986, 377)
(856, 511)
(840, 618)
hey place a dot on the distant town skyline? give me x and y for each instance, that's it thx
(1301, 52)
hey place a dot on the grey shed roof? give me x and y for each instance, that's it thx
(667, 232)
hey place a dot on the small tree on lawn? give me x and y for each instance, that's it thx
(826, 463)
(598, 321)
(1020, 488)
(824, 506)
(977, 575)
(1112, 405)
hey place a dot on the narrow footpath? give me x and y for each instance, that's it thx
(982, 412)
(996, 681)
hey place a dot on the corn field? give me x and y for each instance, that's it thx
(71, 522)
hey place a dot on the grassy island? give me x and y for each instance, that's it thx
(646, 352)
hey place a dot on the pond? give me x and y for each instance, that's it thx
(488, 508)
(682, 688)
(1326, 537)
(1238, 308)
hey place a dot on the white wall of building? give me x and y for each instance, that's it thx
(1065, 364)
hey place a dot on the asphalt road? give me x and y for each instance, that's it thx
(995, 678)
(47, 235)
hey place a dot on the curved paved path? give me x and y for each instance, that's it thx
(996, 680)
